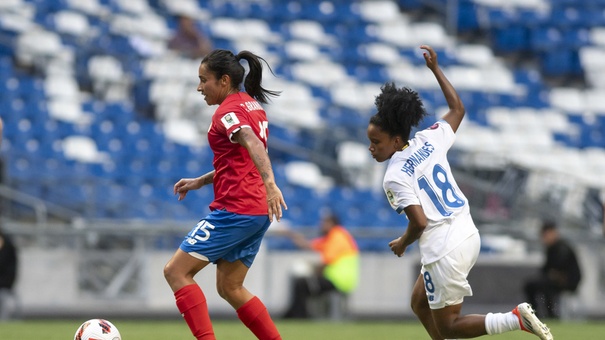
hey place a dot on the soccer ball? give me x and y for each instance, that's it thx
(97, 329)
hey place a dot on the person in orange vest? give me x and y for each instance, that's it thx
(339, 268)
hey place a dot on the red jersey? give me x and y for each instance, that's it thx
(238, 187)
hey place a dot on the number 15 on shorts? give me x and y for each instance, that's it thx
(200, 232)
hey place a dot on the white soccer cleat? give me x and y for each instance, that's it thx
(530, 323)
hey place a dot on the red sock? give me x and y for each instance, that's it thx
(255, 316)
(191, 302)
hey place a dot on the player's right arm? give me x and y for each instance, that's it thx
(456, 107)
(185, 184)
(256, 149)
(416, 226)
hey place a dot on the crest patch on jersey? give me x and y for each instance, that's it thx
(229, 120)
(390, 197)
(433, 127)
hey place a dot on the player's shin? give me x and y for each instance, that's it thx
(255, 316)
(191, 302)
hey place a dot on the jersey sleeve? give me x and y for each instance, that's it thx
(441, 132)
(400, 194)
(233, 121)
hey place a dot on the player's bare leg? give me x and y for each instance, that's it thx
(230, 278)
(420, 306)
(190, 299)
(181, 268)
(451, 325)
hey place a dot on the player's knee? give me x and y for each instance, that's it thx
(227, 290)
(451, 326)
(418, 305)
(223, 289)
(170, 273)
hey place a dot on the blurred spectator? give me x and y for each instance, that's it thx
(8, 274)
(339, 269)
(189, 41)
(560, 272)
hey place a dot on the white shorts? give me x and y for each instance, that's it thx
(445, 280)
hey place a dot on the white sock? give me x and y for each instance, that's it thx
(498, 323)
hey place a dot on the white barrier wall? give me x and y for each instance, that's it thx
(49, 284)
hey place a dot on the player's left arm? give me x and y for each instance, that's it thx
(256, 149)
(456, 107)
(417, 224)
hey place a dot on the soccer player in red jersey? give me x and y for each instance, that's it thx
(246, 197)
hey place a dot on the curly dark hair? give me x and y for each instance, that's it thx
(398, 110)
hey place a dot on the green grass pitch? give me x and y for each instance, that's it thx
(290, 330)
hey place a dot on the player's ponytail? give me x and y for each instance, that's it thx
(221, 62)
(252, 83)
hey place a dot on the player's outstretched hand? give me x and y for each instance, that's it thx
(430, 56)
(184, 185)
(275, 200)
(397, 246)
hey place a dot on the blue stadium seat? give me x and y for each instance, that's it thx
(467, 20)
(531, 18)
(368, 72)
(10, 88)
(410, 4)
(566, 17)
(576, 38)
(510, 39)
(593, 17)
(6, 66)
(7, 41)
(545, 38)
(561, 62)
(500, 19)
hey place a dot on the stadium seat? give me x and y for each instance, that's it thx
(308, 175)
(378, 11)
(467, 18)
(567, 99)
(308, 30)
(82, 149)
(511, 39)
(560, 62)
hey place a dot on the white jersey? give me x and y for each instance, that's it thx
(421, 175)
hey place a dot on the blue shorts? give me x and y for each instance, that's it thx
(226, 235)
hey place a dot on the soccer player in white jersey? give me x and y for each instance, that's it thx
(419, 183)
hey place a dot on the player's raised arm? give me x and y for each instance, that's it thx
(456, 113)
